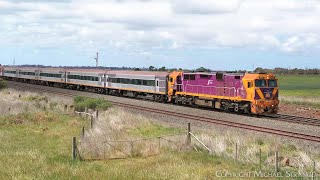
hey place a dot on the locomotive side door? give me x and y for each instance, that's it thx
(157, 85)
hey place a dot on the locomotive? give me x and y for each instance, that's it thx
(245, 93)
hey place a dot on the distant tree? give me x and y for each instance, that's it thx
(202, 69)
(136, 69)
(258, 70)
(151, 68)
(162, 68)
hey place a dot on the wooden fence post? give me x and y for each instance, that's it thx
(260, 158)
(189, 135)
(276, 163)
(65, 108)
(74, 148)
(159, 144)
(131, 148)
(97, 114)
(236, 151)
(9, 109)
(86, 111)
(314, 171)
(91, 121)
(82, 131)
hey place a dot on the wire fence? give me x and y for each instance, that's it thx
(272, 159)
(119, 149)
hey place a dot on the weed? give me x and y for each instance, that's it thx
(81, 102)
(3, 84)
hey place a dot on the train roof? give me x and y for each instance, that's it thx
(125, 72)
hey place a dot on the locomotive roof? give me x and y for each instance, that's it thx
(214, 73)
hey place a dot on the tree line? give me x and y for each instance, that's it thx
(294, 71)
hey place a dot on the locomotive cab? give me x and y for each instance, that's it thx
(262, 90)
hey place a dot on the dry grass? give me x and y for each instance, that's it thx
(249, 146)
(135, 135)
(310, 102)
(29, 102)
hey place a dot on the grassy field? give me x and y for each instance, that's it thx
(36, 144)
(300, 90)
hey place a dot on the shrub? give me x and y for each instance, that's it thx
(3, 84)
(81, 102)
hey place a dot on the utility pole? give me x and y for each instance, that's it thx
(14, 61)
(97, 60)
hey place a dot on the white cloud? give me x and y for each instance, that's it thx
(205, 6)
(144, 25)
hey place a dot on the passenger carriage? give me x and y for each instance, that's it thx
(85, 78)
(51, 76)
(137, 83)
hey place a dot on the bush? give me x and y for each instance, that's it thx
(81, 102)
(3, 84)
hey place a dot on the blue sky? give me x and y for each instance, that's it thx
(218, 34)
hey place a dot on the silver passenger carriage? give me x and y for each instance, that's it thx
(85, 78)
(50, 76)
(28, 74)
(134, 83)
(10, 72)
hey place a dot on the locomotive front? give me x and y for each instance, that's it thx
(263, 92)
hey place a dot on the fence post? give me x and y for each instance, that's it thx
(9, 109)
(86, 111)
(65, 108)
(276, 158)
(260, 158)
(91, 122)
(97, 114)
(314, 171)
(159, 144)
(131, 148)
(74, 148)
(82, 131)
(236, 151)
(189, 135)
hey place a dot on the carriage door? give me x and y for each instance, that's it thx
(157, 85)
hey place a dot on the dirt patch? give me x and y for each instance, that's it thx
(299, 111)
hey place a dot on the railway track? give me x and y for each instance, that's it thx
(227, 123)
(294, 119)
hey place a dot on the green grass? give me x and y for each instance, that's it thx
(81, 102)
(302, 90)
(3, 84)
(301, 86)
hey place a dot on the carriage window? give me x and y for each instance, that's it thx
(145, 82)
(151, 83)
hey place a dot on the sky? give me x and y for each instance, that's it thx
(216, 34)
